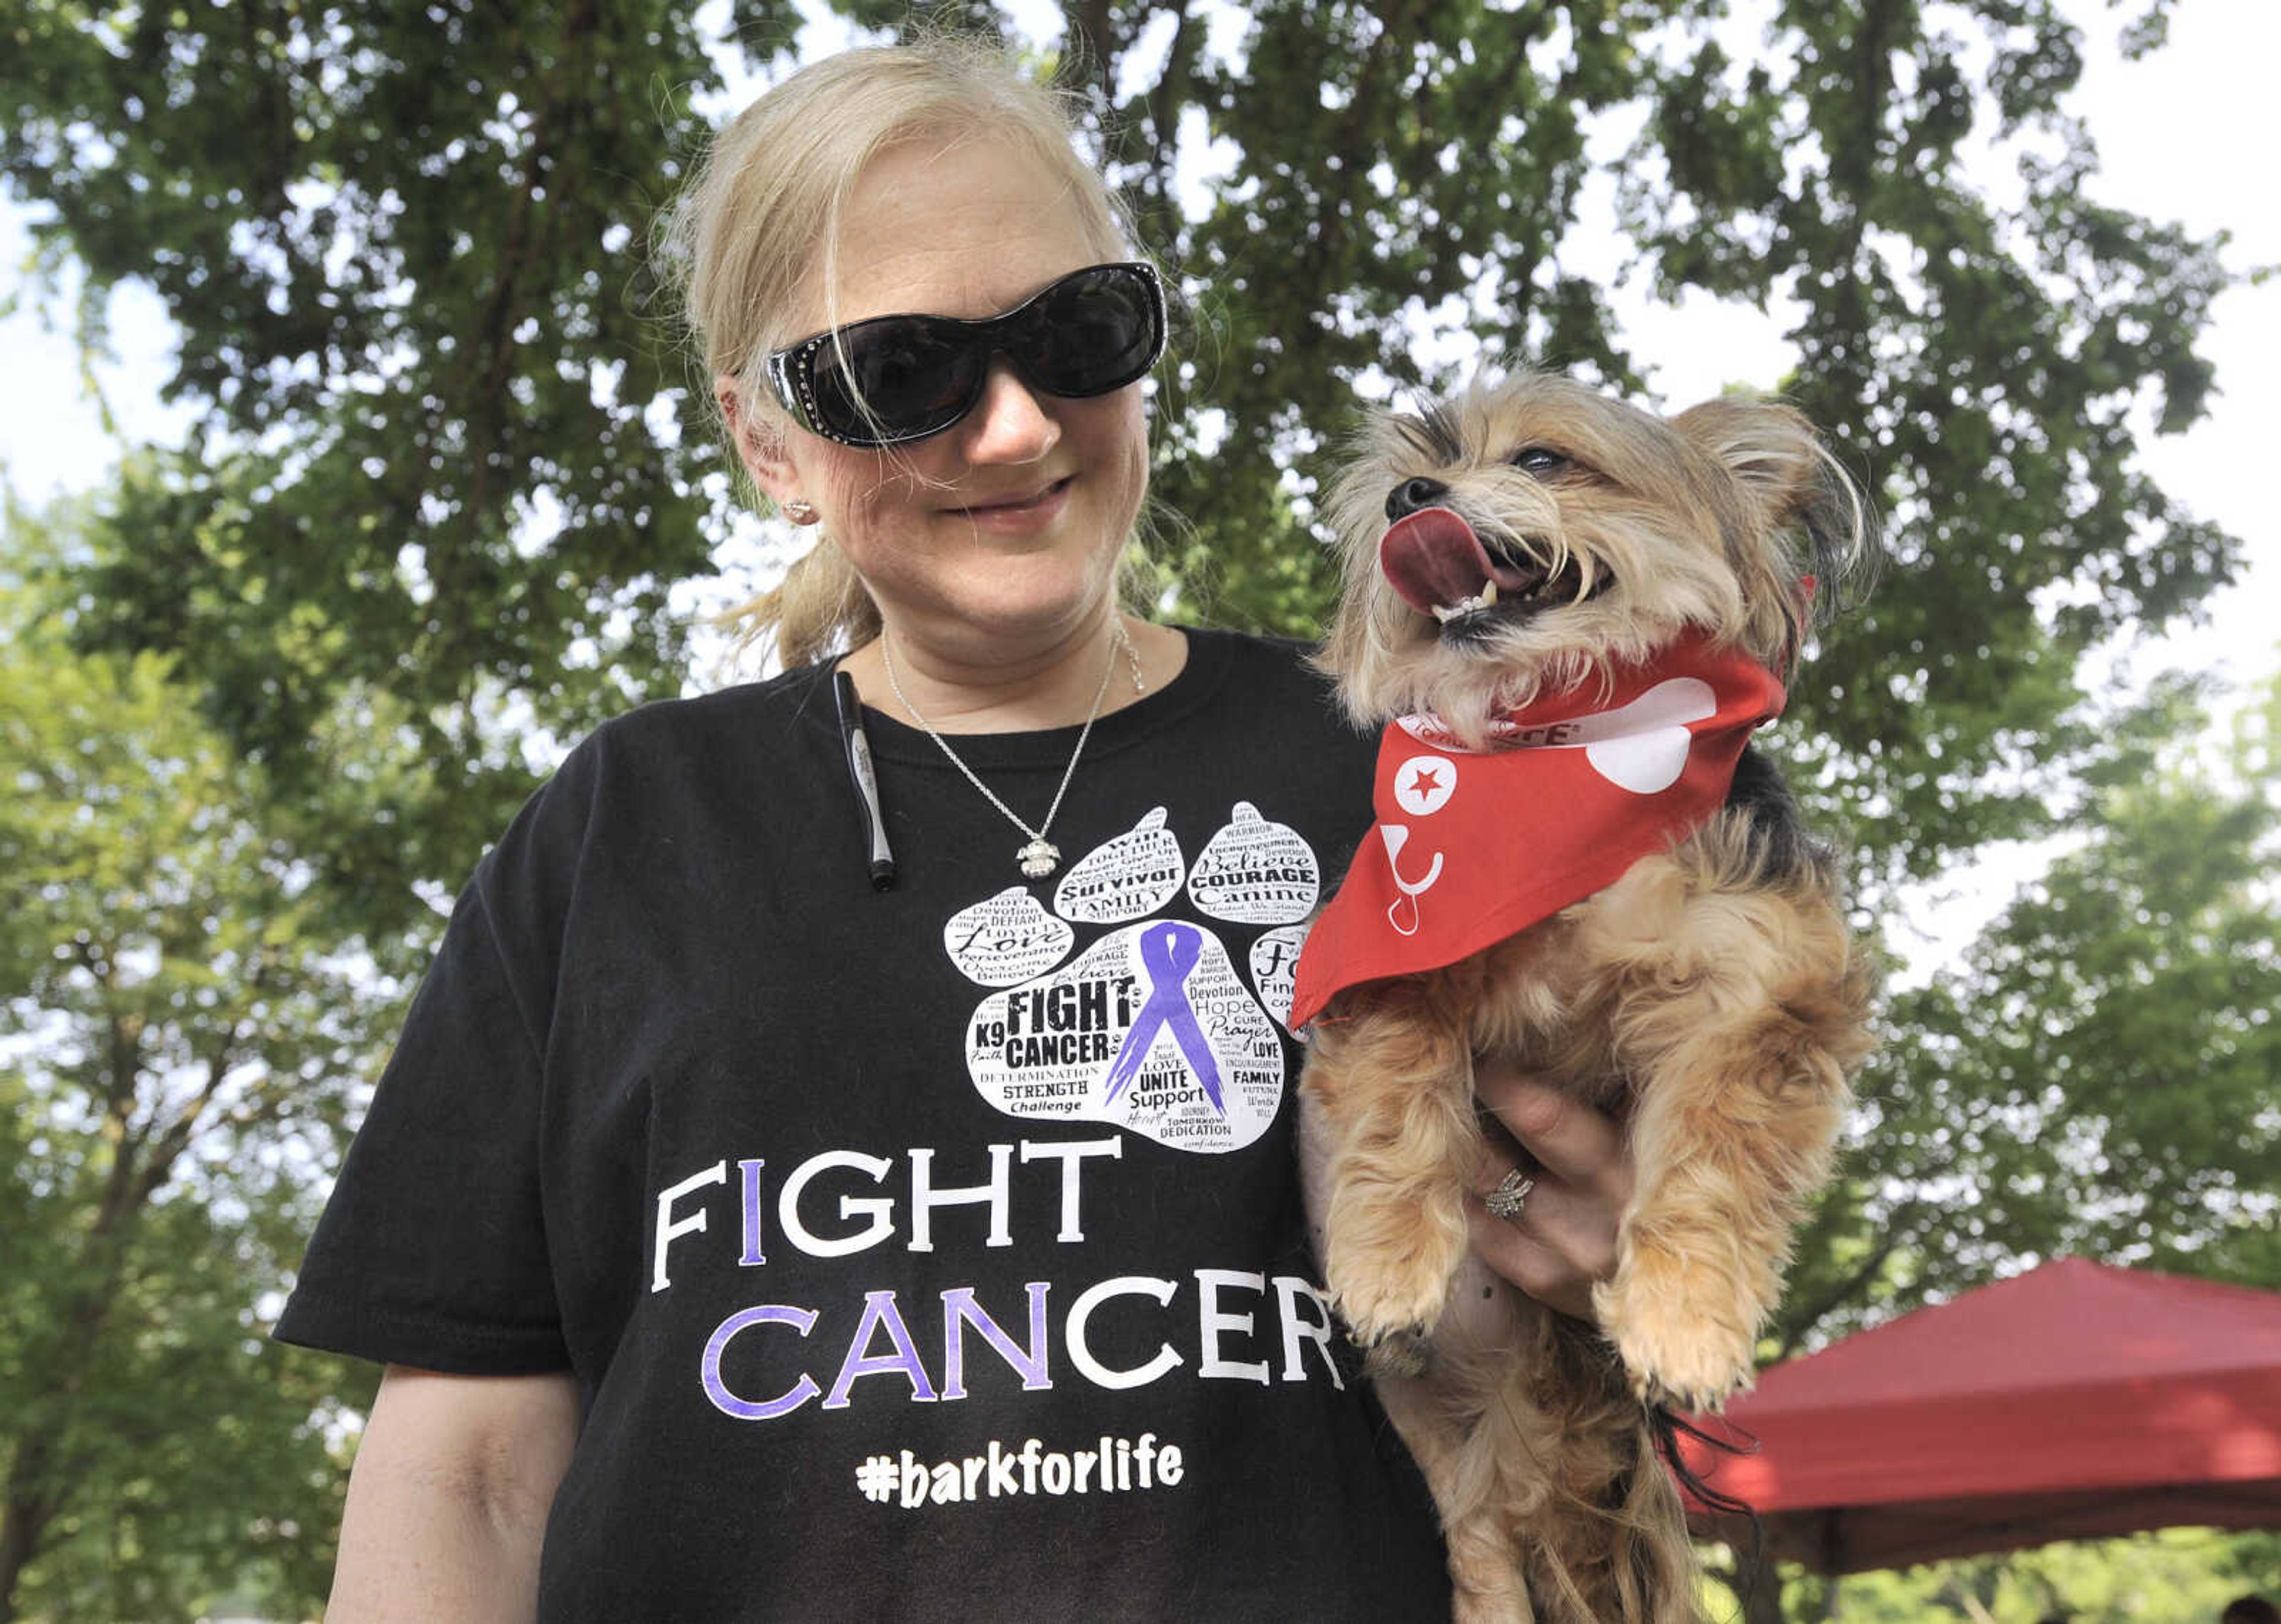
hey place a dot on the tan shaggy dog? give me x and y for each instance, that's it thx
(1710, 997)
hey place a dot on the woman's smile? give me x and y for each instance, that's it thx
(1022, 512)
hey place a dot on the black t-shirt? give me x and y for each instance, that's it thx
(931, 1254)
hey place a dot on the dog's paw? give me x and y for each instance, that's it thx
(1391, 1262)
(1677, 1350)
(1387, 1307)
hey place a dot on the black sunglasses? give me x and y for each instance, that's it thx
(893, 379)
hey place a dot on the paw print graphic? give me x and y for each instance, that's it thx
(1150, 1025)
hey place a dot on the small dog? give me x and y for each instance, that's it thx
(1538, 576)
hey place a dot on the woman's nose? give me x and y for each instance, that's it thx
(1009, 423)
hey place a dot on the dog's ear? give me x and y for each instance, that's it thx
(1793, 484)
(1767, 448)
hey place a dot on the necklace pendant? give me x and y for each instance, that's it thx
(1039, 858)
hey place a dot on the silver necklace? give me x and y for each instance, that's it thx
(1040, 857)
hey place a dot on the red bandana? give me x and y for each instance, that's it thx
(1475, 847)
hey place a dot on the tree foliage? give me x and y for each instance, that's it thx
(186, 1018)
(2180, 1576)
(448, 465)
(439, 460)
(2099, 1076)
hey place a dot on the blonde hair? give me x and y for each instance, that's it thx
(763, 213)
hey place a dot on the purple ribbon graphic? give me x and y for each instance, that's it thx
(1169, 953)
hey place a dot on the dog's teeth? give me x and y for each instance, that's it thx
(1488, 593)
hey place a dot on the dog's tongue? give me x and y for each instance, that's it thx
(1432, 557)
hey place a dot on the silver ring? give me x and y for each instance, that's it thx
(1510, 1196)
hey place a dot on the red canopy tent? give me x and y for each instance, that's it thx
(2072, 1402)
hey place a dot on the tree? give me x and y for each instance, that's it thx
(404, 245)
(2098, 1079)
(450, 464)
(2097, 1076)
(186, 1018)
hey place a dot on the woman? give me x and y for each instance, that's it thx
(744, 1241)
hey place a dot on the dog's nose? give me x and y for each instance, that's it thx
(1412, 495)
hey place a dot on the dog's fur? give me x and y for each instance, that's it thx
(1711, 997)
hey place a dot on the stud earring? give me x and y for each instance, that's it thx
(800, 513)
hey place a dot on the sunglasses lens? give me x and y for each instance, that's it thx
(1090, 333)
(897, 378)
(892, 378)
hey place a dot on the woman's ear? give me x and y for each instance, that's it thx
(760, 445)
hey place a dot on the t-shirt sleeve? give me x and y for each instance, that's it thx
(432, 1251)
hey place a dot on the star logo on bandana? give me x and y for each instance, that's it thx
(1423, 784)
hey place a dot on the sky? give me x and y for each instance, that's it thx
(2183, 135)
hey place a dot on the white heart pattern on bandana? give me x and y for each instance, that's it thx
(1643, 748)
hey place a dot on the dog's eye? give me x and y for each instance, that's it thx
(1537, 461)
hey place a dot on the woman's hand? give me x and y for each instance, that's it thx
(1563, 1242)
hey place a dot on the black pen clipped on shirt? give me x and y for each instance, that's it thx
(867, 783)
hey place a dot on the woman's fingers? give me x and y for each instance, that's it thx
(1562, 1242)
(1576, 1143)
(1545, 1271)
